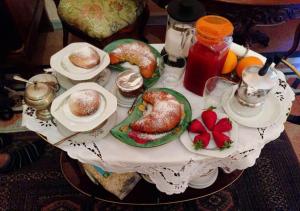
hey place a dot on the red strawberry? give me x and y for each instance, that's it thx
(209, 118)
(221, 140)
(196, 127)
(223, 125)
(201, 141)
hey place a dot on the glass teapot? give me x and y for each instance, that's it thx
(182, 15)
(256, 83)
(253, 90)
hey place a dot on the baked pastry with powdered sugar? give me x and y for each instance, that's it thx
(84, 103)
(85, 57)
(137, 53)
(165, 115)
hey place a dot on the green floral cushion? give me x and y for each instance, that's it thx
(100, 18)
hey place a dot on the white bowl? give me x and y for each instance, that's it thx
(61, 63)
(82, 124)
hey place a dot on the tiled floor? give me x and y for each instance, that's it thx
(51, 42)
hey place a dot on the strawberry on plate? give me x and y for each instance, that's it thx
(222, 141)
(201, 141)
(196, 127)
(223, 125)
(209, 118)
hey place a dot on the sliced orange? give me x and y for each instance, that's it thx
(230, 62)
(247, 62)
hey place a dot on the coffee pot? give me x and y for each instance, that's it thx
(182, 15)
(254, 88)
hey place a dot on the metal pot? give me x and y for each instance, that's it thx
(40, 96)
(254, 88)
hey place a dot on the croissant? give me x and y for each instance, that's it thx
(165, 115)
(136, 53)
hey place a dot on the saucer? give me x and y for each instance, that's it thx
(122, 101)
(60, 62)
(101, 130)
(67, 83)
(88, 123)
(269, 114)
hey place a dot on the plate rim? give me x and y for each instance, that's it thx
(55, 62)
(225, 106)
(111, 106)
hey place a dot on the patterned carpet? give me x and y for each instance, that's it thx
(272, 184)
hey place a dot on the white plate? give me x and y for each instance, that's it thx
(59, 63)
(58, 112)
(212, 150)
(266, 117)
(100, 79)
(101, 131)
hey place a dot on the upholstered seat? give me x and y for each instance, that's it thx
(100, 19)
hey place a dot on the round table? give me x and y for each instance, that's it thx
(143, 193)
(171, 166)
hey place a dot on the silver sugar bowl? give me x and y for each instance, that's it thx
(39, 95)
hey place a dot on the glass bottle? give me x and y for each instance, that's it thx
(208, 54)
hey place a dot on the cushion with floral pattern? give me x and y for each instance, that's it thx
(100, 18)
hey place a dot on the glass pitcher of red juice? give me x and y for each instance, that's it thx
(207, 55)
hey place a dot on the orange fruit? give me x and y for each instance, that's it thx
(247, 62)
(230, 62)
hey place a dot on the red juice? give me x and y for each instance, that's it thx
(203, 63)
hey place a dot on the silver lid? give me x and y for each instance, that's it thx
(37, 91)
(129, 80)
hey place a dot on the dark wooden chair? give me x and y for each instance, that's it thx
(19, 21)
(292, 118)
(135, 31)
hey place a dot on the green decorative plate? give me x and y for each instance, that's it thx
(121, 130)
(148, 82)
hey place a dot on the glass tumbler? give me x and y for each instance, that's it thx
(214, 89)
(172, 74)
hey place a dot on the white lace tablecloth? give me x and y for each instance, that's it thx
(170, 166)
